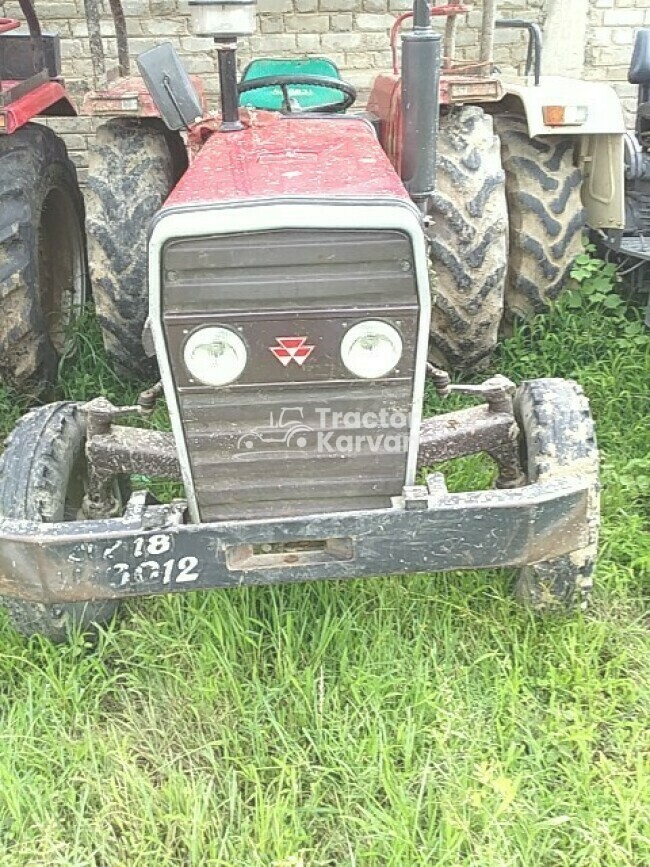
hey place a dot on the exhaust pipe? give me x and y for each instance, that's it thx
(421, 58)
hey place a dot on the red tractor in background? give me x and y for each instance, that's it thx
(42, 246)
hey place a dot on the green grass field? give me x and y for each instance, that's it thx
(415, 721)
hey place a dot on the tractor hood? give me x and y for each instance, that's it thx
(289, 158)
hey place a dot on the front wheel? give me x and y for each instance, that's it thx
(42, 478)
(558, 442)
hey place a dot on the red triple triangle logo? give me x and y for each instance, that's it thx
(292, 349)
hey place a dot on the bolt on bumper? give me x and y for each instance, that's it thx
(151, 551)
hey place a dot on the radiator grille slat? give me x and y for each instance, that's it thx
(284, 272)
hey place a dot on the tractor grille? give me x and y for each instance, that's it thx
(278, 441)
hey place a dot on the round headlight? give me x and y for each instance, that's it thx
(371, 349)
(215, 356)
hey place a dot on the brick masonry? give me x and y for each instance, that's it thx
(353, 33)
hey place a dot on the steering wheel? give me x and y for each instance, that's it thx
(284, 82)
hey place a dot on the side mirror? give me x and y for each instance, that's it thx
(170, 87)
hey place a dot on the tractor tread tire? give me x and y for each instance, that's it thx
(546, 215)
(33, 161)
(133, 166)
(468, 240)
(35, 473)
(560, 442)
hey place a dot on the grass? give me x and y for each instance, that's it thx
(415, 721)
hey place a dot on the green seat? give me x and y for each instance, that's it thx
(270, 98)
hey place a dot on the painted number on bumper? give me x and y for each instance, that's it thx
(155, 566)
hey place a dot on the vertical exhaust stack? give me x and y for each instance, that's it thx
(421, 58)
(225, 21)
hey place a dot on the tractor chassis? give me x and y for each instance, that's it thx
(149, 549)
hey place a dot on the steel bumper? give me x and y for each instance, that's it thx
(150, 550)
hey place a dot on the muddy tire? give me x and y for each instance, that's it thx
(469, 240)
(559, 442)
(546, 215)
(42, 479)
(42, 255)
(133, 166)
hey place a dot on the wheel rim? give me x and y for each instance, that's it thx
(62, 265)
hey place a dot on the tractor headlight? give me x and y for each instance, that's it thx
(371, 349)
(215, 356)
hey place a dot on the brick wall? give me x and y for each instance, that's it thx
(612, 25)
(353, 33)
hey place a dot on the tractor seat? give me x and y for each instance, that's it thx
(270, 98)
(640, 66)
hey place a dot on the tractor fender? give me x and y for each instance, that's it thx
(600, 140)
(48, 99)
(605, 112)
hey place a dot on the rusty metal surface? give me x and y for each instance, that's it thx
(115, 451)
(150, 551)
(457, 434)
(35, 33)
(469, 432)
(121, 37)
(93, 21)
(134, 451)
(488, 29)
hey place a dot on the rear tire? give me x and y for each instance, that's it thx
(559, 442)
(42, 479)
(469, 240)
(42, 255)
(133, 166)
(546, 215)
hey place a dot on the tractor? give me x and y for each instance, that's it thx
(42, 245)
(630, 247)
(288, 274)
(524, 163)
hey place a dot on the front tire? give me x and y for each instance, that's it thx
(547, 219)
(133, 166)
(469, 241)
(42, 472)
(42, 255)
(559, 442)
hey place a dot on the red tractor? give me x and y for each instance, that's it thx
(288, 273)
(42, 246)
(524, 162)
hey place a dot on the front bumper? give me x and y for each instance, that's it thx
(151, 551)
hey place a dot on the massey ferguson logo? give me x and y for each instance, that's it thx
(292, 349)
